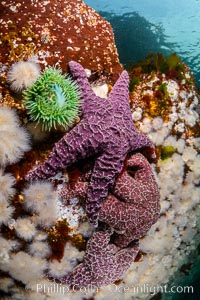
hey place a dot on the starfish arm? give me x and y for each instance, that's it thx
(143, 142)
(78, 190)
(68, 150)
(108, 262)
(79, 75)
(125, 256)
(105, 171)
(98, 242)
(120, 92)
(80, 277)
(59, 158)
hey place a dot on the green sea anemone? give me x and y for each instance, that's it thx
(53, 100)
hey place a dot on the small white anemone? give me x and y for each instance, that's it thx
(191, 117)
(101, 90)
(14, 139)
(86, 229)
(183, 95)
(137, 114)
(180, 145)
(40, 236)
(8, 118)
(25, 228)
(40, 249)
(13, 145)
(6, 183)
(41, 198)
(146, 125)
(195, 168)
(57, 269)
(170, 141)
(6, 283)
(196, 142)
(22, 74)
(159, 136)
(6, 211)
(172, 89)
(180, 127)
(38, 195)
(189, 154)
(157, 123)
(6, 246)
(173, 117)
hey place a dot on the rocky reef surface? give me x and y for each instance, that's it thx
(54, 33)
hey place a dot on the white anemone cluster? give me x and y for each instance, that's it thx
(32, 268)
(182, 109)
(25, 259)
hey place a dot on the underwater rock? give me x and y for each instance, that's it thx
(57, 32)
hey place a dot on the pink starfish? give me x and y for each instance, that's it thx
(133, 204)
(130, 211)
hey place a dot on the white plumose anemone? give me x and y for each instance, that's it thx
(8, 118)
(26, 268)
(13, 145)
(6, 183)
(14, 138)
(40, 249)
(6, 211)
(41, 199)
(6, 246)
(22, 74)
(6, 283)
(25, 228)
(157, 123)
(146, 125)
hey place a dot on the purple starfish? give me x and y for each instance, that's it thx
(103, 264)
(130, 210)
(132, 207)
(106, 130)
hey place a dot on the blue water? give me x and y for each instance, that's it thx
(143, 26)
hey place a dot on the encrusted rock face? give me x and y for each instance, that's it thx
(57, 32)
